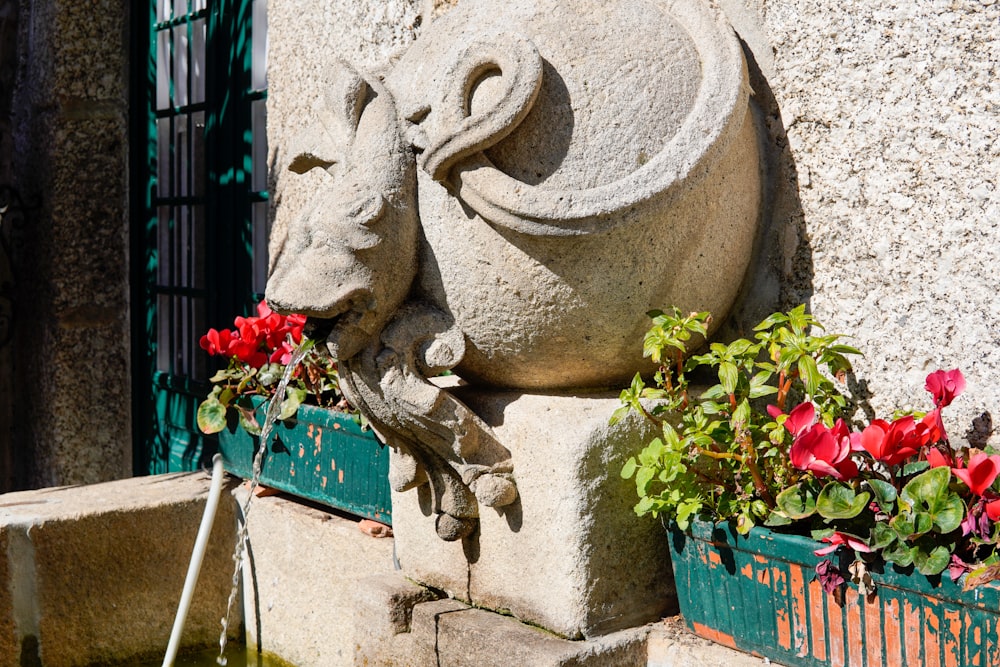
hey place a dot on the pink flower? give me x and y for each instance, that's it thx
(957, 567)
(829, 576)
(838, 539)
(981, 472)
(944, 386)
(824, 452)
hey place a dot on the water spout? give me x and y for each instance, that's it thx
(270, 418)
(197, 556)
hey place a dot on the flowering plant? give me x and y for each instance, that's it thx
(258, 349)
(769, 444)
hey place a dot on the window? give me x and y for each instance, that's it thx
(199, 209)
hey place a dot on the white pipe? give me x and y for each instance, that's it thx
(197, 556)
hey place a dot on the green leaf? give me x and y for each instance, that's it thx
(882, 536)
(642, 479)
(844, 349)
(902, 524)
(796, 502)
(915, 467)
(771, 320)
(728, 376)
(810, 374)
(741, 415)
(930, 561)
(211, 416)
(739, 347)
(839, 501)
(775, 519)
(923, 522)
(247, 419)
(629, 468)
(884, 492)
(900, 554)
(293, 399)
(619, 414)
(928, 493)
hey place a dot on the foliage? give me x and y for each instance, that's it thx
(259, 349)
(894, 490)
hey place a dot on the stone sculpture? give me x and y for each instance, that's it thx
(507, 205)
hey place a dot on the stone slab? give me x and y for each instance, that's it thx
(305, 567)
(570, 555)
(93, 574)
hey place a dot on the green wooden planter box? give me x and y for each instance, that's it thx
(319, 454)
(758, 593)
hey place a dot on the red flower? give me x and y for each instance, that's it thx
(944, 386)
(982, 470)
(257, 340)
(934, 426)
(895, 442)
(838, 539)
(217, 342)
(993, 510)
(799, 419)
(825, 452)
(938, 459)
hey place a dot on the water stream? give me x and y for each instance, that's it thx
(270, 417)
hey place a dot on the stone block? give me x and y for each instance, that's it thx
(449, 633)
(305, 569)
(570, 554)
(93, 574)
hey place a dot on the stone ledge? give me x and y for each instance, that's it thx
(448, 632)
(93, 574)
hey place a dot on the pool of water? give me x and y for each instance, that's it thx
(237, 656)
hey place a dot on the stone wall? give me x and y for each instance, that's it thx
(69, 257)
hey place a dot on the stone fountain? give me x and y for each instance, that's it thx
(505, 205)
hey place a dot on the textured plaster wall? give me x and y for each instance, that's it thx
(892, 115)
(70, 254)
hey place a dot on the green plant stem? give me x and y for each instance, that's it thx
(718, 455)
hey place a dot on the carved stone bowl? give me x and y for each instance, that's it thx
(631, 183)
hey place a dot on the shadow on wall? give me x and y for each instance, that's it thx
(780, 276)
(8, 69)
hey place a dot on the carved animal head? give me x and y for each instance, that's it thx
(349, 259)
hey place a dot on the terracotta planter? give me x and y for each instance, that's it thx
(758, 593)
(321, 455)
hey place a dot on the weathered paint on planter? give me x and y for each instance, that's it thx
(758, 593)
(319, 454)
